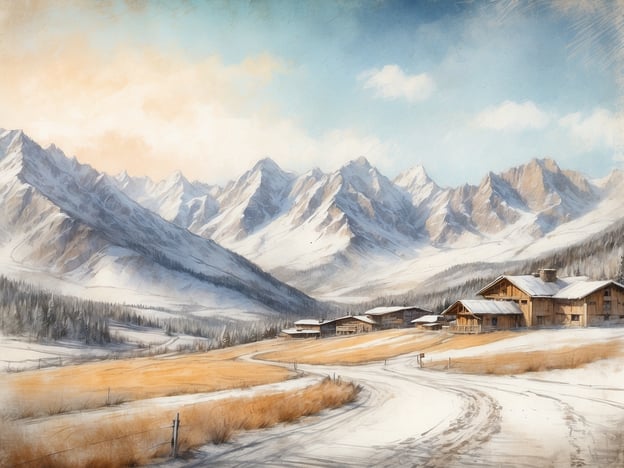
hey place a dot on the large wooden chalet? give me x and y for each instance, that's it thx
(540, 300)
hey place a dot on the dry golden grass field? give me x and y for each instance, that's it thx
(376, 346)
(569, 357)
(136, 438)
(131, 440)
(58, 390)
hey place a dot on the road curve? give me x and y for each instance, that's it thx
(407, 416)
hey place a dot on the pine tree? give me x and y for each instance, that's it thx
(620, 274)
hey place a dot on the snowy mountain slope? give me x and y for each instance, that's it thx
(253, 200)
(69, 220)
(356, 231)
(174, 198)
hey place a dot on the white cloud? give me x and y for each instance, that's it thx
(512, 116)
(600, 129)
(152, 114)
(392, 83)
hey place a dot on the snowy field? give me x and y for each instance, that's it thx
(408, 416)
(412, 416)
(18, 354)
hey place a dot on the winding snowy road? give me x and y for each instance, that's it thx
(407, 416)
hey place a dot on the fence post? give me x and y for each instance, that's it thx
(174, 436)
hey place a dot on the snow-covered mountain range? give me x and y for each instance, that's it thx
(352, 234)
(68, 223)
(333, 233)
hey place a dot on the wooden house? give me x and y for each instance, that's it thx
(481, 315)
(294, 333)
(351, 325)
(430, 322)
(546, 300)
(322, 327)
(396, 317)
(543, 300)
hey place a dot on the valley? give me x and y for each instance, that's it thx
(405, 413)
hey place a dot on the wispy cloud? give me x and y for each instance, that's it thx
(151, 113)
(391, 82)
(512, 116)
(600, 129)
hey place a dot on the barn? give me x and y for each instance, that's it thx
(481, 315)
(307, 328)
(351, 325)
(430, 322)
(396, 317)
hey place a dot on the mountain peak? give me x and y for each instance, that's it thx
(267, 165)
(547, 164)
(416, 175)
(417, 183)
(360, 162)
(176, 177)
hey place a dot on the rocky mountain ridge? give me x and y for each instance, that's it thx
(356, 208)
(65, 219)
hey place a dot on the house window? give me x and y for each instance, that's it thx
(576, 317)
(607, 292)
(606, 306)
(494, 321)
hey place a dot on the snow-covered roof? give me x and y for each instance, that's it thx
(294, 331)
(487, 307)
(573, 287)
(389, 310)
(582, 289)
(311, 322)
(428, 319)
(362, 318)
(535, 286)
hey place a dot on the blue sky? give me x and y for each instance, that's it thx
(211, 87)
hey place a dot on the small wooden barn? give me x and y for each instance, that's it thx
(323, 327)
(430, 322)
(294, 333)
(396, 317)
(351, 325)
(481, 315)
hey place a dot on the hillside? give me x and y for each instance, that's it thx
(67, 225)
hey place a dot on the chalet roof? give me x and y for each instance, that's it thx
(312, 322)
(364, 318)
(294, 331)
(361, 318)
(534, 285)
(583, 289)
(428, 319)
(488, 307)
(389, 310)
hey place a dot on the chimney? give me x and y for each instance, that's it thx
(548, 275)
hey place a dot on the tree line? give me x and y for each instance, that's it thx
(40, 315)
